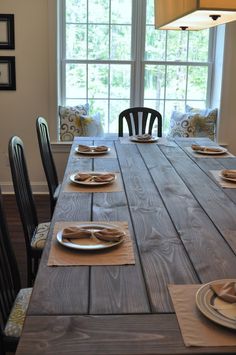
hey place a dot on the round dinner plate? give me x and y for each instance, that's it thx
(222, 151)
(206, 301)
(89, 243)
(226, 178)
(92, 183)
(93, 152)
(135, 139)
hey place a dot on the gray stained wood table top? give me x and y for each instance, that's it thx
(183, 227)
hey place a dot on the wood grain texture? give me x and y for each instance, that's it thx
(184, 230)
(217, 205)
(159, 246)
(209, 254)
(213, 164)
(114, 289)
(107, 335)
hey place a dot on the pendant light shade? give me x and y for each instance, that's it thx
(193, 14)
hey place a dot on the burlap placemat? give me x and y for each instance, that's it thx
(195, 328)
(116, 186)
(200, 155)
(121, 254)
(223, 183)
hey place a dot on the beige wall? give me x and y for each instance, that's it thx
(36, 87)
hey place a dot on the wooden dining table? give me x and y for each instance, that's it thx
(183, 228)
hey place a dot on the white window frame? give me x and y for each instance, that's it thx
(137, 61)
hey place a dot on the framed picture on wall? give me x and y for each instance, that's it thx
(7, 32)
(7, 73)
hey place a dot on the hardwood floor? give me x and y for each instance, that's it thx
(15, 227)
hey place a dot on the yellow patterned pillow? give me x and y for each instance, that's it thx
(91, 126)
(205, 121)
(16, 318)
(193, 123)
(69, 121)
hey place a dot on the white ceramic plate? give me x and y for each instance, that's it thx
(89, 243)
(206, 300)
(92, 152)
(92, 183)
(135, 139)
(226, 178)
(222, 151)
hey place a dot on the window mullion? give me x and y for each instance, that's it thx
(138, 37)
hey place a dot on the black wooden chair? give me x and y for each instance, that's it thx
(140, 120)
(13, 300)
(47, 160)
(35, 234)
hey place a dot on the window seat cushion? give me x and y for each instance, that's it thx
(16, 318)
(40, 236)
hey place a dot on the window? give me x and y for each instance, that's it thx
(113, 58)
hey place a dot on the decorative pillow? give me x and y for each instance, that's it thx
(91, 126)
(205, 121)
(182, 125)
(193, 123)
(69, 121)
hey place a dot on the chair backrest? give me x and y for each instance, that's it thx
(46, 156)
(140, 120)
(9, 273)
(22, 187)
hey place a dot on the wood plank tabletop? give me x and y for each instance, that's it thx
(183, 228)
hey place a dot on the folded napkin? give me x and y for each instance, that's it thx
(106, 234)
(83, 177)
(75, 233)
(229, 173)
(205, 149)
(145, 137)
(104, 178)
(225, 291)
(109, 234)
(101, 148)
(86, 148)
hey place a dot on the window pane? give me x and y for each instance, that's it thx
(98, 43)
(155, 48)
(196, 104)
(76, 42)
(197, 83)
(150, 12)
(154, 82)
(177, 45)
(99, 39)
(76, 11)
(116, 106)
(120, 42)
(75, 80)
(98, 79)
(120, 81)
(98, 11)
(121, 11)
(198, 46)
(176, 82)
